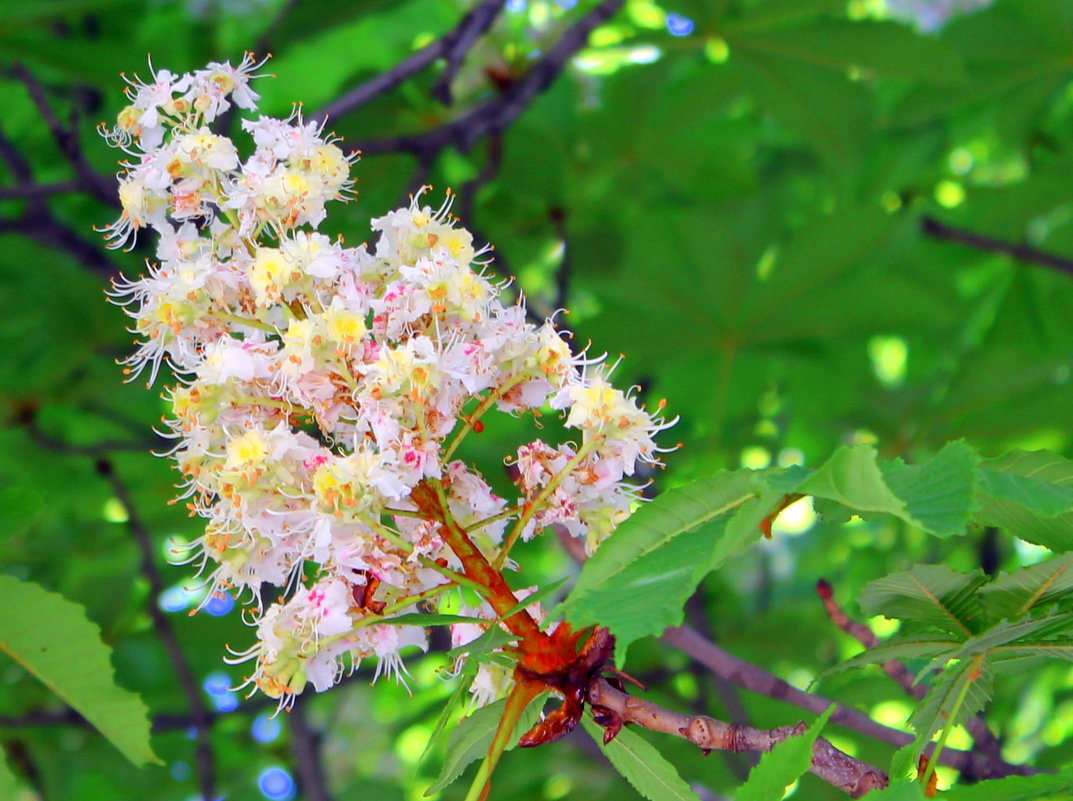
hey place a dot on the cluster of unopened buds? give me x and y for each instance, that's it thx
(323, 391)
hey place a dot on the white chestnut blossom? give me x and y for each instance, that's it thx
(317, 385)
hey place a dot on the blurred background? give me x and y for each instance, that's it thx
(805, 223)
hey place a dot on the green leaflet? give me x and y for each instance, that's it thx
(782, 765)
(463, 684)
(487, 643)
(937, 708)
(940, 492)
(641, 764)
(902, 790)
(930, 646)
(884, 48)
(852, 478)
(933, 595)
(1015, 594)
(470, 739)
(429, 619)
(7, 778)
(1026, 496)
(638, 581)
(1015, 788)
(936, 495)
(51, 637)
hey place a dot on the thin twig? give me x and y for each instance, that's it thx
(38, 191)
(453, 45)
(305, 742)
(829, 763)
(496, 115)
(66, 137)
(465, 36)
(940, 230)
(199, 713)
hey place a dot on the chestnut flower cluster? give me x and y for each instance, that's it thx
(318, 385)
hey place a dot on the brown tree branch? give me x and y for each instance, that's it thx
(758, 680)
(66, 137)
(305, 743)
(453, 46)
(832, 765)
(939, 230)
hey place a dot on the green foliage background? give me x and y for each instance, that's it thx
(739, 210)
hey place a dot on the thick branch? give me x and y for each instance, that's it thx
(758, 680)
(497, 114)
(940, 230)
(833, 766)
(452, 46)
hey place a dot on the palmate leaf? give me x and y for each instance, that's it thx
(641, 764)
(782, 765)
(937, 709)
(1015, 594)
(471, 737)
(1025, 496)
(931, 595)
(52, 638)
(638, 581)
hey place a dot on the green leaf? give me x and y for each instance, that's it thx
(470, 739)
(940, 492)
(1014, 594)
(52, 638)
(936, 495)
(429, 619)
(462, 687)
(901, 790)
(782, 765)
(1005, 635)
(852, 478)
(484, 645)
(641, 764)
(1042, 497)
(932, 595)
(7, 778)
(637, 581)
(1026, 509)
(1016, 788)
(887, 49)
(535, 597)
(904, 646)
(937, 708)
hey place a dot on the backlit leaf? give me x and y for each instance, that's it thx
(641, 764)
(51, 637)
(782, 765)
